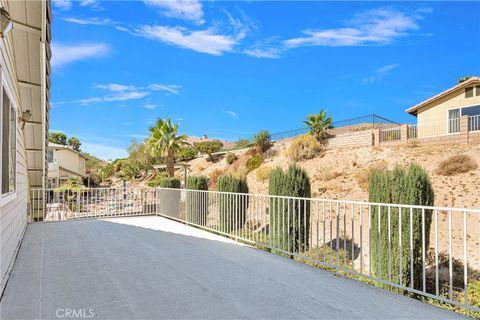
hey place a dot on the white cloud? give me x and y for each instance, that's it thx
(90, 3)
(205, 41)
(122, 96)
(379, 74)
(65, 54)
(115, 87)
(104, 151)
(120, 92)
(171, 88)
(231, 113)
(271, 53)
(373, 27)
(62, 4)
(89, 21)
(190, 10)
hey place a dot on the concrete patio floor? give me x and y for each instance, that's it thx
(155, 268)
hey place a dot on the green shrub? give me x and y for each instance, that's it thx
(171, 183)
(208, 147)
(400, 186)
(231, 157)
(263, 141)
(155, 182)
(197, 202)
(294, 182)
(243, 143)
(186, 153)
(254, 162)
(233, 207)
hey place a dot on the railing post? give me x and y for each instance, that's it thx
(404, 132)
(464, 128)
(376, 137)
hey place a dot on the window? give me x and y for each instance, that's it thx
(50, 155)
(477, 93)
(454, 121)
(469, 92)
(9, 144)
(471, 111)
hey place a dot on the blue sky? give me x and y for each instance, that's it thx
(229, 69)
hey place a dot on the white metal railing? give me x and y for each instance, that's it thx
(391, 134)
(439, 248)
(454, 125)
(474, 123)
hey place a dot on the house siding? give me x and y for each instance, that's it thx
(22, 73)
(13, 215)
(432, 119)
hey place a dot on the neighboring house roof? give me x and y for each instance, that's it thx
(52, 145)
(413, 110)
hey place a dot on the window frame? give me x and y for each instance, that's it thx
(10, 195)
(469, 90)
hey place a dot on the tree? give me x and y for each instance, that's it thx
(401, 186)
(208, 147)
(263, 141)
(294, 182)
(232, 205)
(197, 202)
(58, 138)
(74, 143)
(164, 141)
(462, 79)
(318, 124)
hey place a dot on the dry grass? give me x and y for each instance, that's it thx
(213, 177)
(455, 165)
(263, 173)
(363, 176)
(328, 173)
(304, 148)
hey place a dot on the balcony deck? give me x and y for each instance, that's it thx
(153, 268)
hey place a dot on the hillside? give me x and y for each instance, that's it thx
(342, 173)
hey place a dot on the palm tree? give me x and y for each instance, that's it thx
(164, 141)
(319, 124)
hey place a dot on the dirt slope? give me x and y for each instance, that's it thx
(337, 174)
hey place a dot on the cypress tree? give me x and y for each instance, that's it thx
(232, 205)
(400, 186)
(289, 218)
(169, 198)
(197, 202)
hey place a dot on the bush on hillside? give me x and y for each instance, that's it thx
(263, 173)
(243, 143)
(208, 147)
(263, 141)
(186, 153)
(232, 206)
(457, 164)
(363, 176)
(231, 157)
(294, 182)
(400, 186)
(304, 148)
(254, 162)
(197, 202)
(155, 182)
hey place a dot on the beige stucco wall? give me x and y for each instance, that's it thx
(432, 119)
(69, 160)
